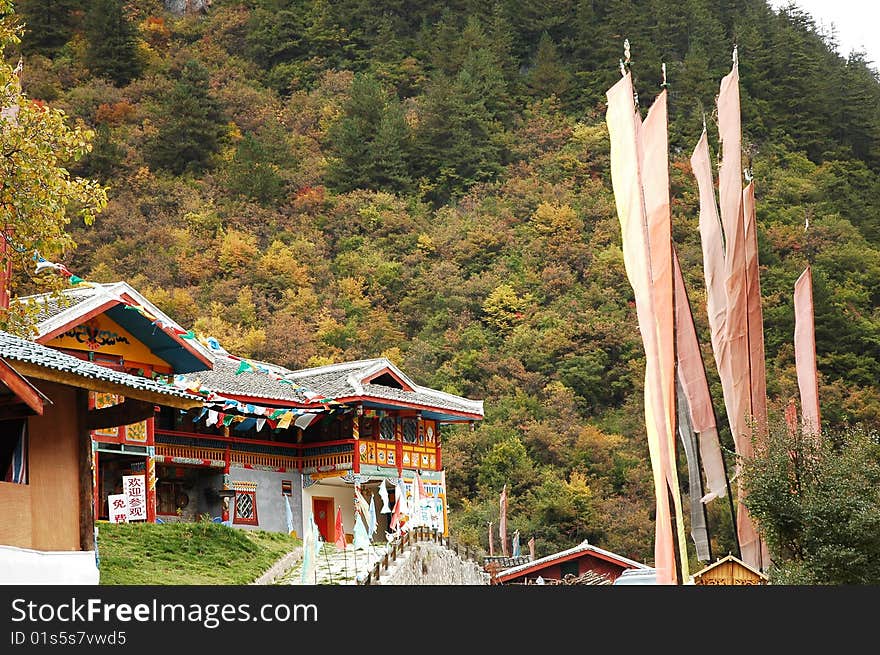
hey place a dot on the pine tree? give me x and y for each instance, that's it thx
(370, 143)
(548, 75)
(190, 126)
(457, 140)
(49, 24)
(112, 43)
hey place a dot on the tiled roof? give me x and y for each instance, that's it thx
(346, 379)
(13, 348)
(224, 380)
(334, 381)
(49, 305)
(583, 547)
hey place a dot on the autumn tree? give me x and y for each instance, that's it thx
(38, 195)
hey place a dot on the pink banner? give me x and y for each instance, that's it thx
(623, 128)
(713, 245)
(757, 365)
(692, 375)
(655, 182)
(805, 353)
(734, 354)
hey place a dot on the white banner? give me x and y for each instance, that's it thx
(135, 489)
(117, 508)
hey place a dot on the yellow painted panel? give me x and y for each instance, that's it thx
(101, 334)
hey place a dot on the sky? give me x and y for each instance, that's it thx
(857, 23)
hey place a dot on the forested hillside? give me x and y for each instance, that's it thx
(310, 181)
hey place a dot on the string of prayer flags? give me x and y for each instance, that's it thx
(285, 420)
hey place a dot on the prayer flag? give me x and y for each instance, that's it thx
(502, 521)
(805, 353)
(340, 531)
(361, 540)
(383, 494)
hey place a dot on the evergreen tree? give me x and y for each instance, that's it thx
(48, 24)
(369, 144)
(252, 174)
(112, 43)
(548, 75)
(457, 140)
(276, 32)
(190, 125)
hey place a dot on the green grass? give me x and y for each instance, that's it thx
(202, 553)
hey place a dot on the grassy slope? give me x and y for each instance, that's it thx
(200, 553)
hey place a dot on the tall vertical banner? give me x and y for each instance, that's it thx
(502, 521)
(655, 181)
(695, 390)
(805, 353)
(757, 366)
(733, 356)
(623, 129)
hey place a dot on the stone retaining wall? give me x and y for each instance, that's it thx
(428, 563)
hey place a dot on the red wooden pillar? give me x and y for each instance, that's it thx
(226, 458)
(151, 489)
(356, 435)
(96, 479)
(151, 471)
(398, 445)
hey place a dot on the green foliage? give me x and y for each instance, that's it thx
(817, 504)
(431, 183)
(48, 24)
(112, 42)
(370, 143)
(189, 124)
(253, 174)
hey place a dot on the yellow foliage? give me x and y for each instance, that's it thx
(556, 220)
(279, 263)
(237, 250)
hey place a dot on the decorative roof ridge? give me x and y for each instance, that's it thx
(337, 366)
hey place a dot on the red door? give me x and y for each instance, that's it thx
(322, 508)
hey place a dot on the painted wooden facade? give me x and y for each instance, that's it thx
(374, 422)
(46, 456)
(729, 570)
(582, 559)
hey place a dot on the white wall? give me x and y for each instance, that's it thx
(271, 512)
(343, 496)
(36, 567)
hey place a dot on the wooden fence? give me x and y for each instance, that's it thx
(409, 539)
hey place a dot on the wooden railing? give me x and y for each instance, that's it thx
(324, 462)
(294, 460)
(190, 452)
(288, 462)
(407, 540)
